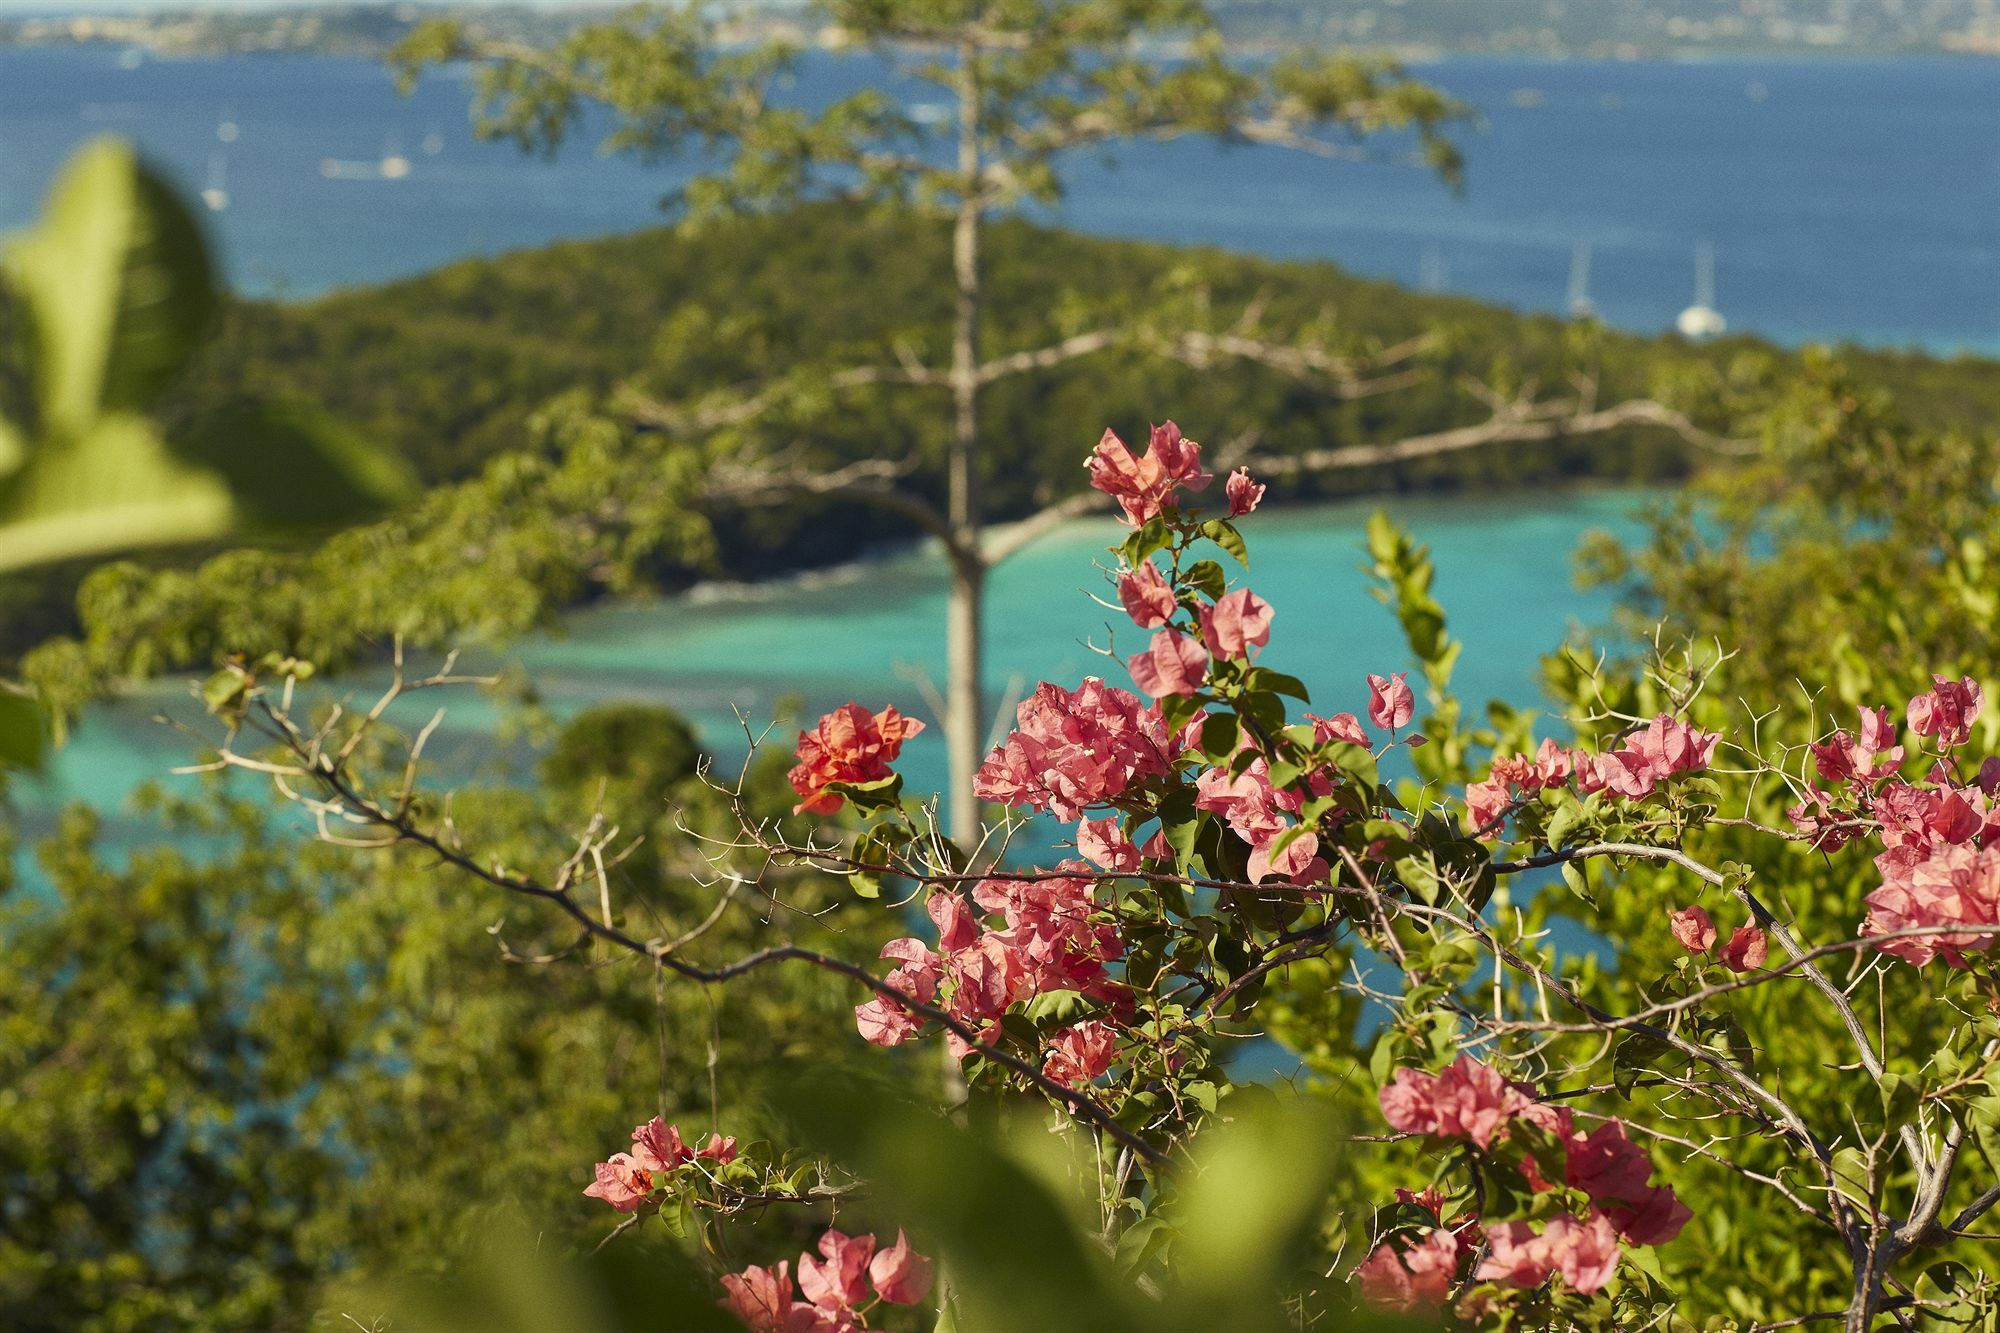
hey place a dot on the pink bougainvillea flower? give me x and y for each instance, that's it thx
(836, 1281)
(883, 1021)
(762, 1299)
(1104, 844)
(1143, 486)
(1947, 885)
(957, 927)
(1668, 746)
(1081, 1052)
(657, 1146)
(1693, 928)
(1339, 727)
(1052, 940)
(1585, 1253)
(850, 745)
(1257, 813)
(719, 1149)
(1236, 623)
(1606, 1164)
(1486, 805)
(1863, 758)
(1391, 703)
(1071, 750)
(621, 1182)
(1654, 1219)
(1516, 1256)
(1948, 710)
(1147, 596)
(1417, 1277)
(1244, 494)
(1468, 1100)
(1171, 664)
(901, 1275)
(1745, 951)
(1488, 800)
(1663, 747)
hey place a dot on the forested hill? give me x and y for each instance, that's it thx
(448, 369)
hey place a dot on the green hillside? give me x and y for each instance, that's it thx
(450, 368)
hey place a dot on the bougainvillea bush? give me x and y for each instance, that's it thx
(1759, 1090)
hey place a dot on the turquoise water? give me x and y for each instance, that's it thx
(1845, 198)
(860, 631)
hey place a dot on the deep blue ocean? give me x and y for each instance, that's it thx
(1844, 199)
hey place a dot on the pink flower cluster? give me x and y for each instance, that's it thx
(1473, 1102)
(1954, 884)
(1259, 813)
(1244, 494)
(849, 745)
(1744, 951)
(1143, 486)
(1418, 1276)
(1940, 858)
(1863, 758)
(1663, 747)
(1051, 942)
(1391, 703)
(1948, 710)
(835, 1285)
(629, 1179)
(1070, 750)
(1171, 664)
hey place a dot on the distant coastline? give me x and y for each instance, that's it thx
(1653, 30)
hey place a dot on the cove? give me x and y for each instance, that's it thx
(775, 653)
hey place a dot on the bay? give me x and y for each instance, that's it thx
(1845, 199)
(738, 660)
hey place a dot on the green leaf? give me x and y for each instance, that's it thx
(1277, 682)
(118, 289)
(1206, 576)
(13, 448)
(23, 732)
(881, 794)
(114, 488)
(1226, 536)
(1142, 1241)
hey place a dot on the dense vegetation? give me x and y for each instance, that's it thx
(451, 370)
(239, 1076)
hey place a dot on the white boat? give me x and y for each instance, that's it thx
(1702, 320)
(394, 165)
(1580, 306)
(215, 193)
(391, 166)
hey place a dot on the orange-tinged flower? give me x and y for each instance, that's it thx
(849, 745)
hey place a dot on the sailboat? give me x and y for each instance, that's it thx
(394, 165)
(1702, 320)
(215, 193)
(391, 166)
(1580, 306)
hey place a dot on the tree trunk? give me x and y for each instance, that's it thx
(965, 709)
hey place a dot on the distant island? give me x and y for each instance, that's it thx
(1616, 29)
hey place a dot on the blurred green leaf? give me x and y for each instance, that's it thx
(24, 733)
(118, 286)
(115, 488)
